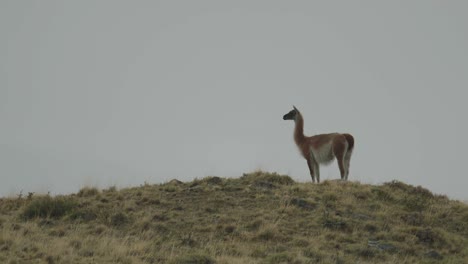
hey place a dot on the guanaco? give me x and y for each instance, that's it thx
(322, 148)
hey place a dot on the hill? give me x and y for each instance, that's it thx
(257, 218)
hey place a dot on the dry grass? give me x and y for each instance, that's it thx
(257, 218)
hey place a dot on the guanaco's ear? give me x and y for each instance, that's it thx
(295, 108)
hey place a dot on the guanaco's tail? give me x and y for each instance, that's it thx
(350, 140)
(348, 154)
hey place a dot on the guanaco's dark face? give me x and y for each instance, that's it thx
(291, 115)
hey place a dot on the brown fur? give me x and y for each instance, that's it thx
(322, 148)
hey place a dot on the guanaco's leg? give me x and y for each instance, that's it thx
(347, 159)
(311, 169)
(340, 159)
(339, 149)
(317, 172)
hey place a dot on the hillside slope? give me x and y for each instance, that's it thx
(257, 218)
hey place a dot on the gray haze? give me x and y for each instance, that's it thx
(120, 93)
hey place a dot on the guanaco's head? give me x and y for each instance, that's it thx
(292, 115)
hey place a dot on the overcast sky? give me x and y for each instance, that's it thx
(106, 93)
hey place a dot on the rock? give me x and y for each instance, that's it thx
(175, 182)
(214, 180)
(426, 236)
(302, 203)
(381, 246)
(433, 254)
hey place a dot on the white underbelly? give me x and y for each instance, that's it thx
(323, 155)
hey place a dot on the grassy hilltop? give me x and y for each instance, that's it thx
(257, 218)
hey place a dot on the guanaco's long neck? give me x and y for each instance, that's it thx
(299, 129)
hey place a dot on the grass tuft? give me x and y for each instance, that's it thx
(88, 191)
(119, 219)
(273, 178)
(48, 207)
(279, 258)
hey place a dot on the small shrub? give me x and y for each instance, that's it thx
(398, 185)
(273, 178)
(371, 228)
(382, 195)
(409, 189)
(88, 191)
(170, 188)
(118, 219)
(229, 229)
(423, 192)
(428, 236)
(48, 207)
(84, 215)
(214, 180)
(415, 203)
(111, 189)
